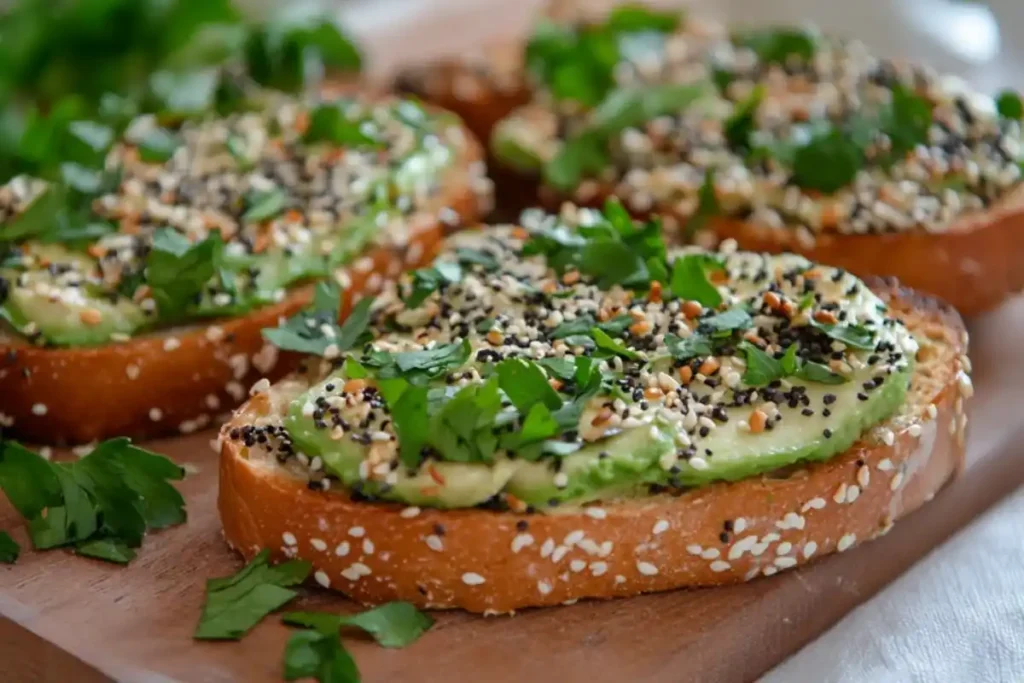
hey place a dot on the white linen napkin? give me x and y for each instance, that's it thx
(957, 615)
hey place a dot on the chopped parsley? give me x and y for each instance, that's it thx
(235, 604)
(319, 653)
(9, 548)
(178, 270)
(316, 330)
(102, 505)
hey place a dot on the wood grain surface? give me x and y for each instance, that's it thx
(66, 618)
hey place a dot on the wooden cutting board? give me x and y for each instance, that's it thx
(66, 618)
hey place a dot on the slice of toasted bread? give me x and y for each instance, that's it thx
(496, 562)
(180, 379)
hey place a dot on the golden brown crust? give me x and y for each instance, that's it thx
(181, 379)
(482, 561)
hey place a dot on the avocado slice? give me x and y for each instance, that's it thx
(66, 315)
(623, 462)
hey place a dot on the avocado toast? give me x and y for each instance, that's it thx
(566, 410)
(148, 282)
(781, 138)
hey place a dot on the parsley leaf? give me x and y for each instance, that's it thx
(735, 318)
(1009, 106)
(234, 604)
(329, 123)
(790, 362)
(855, 336)
(582, 324)
(779, 45)
(103, 503)
(177, 270)
(9, 548)
(906, 121)
(690, 279)
(407, 404)
(614, 347)
(298, 42)
(312, 654)
(816, 372)
(106, 549)
(477, 257)
(318, 653)
(418, 366)
(525, 384)
(316, 329)
(828, 162)
(762, 368)
(426, 281)
(562, 368)
(538, 425)
(685, 348)
(263, 206)
(393, 624)
(742, 122)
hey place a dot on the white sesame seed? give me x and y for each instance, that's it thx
(646, 568)
(698, 463)
(739, 525)
(809, 548)
(885, 465)
(814, 504)
(559, 553)
(784, 548)
(888, 438)
(596, 513)
(521, 541)
(547, 548)
(852, 493)
(720, 566)
(660, 527)
(896, 482)
(758, 548)
(710, 553)
(435, 543)
(322, 578)
(573, 537)
(289, 538)
(357, 532)
(342, 549)
(132, 372)
(845, 542)
(472, 579)
(318, 544)
(771, 571)
(561, 480)
(840, 494)
(409, 512)
(578, 565)
(741, 546)
(214, 333)
(598, 568)
(606, 548)
(754, 571)
(694, 549)
(619, 578)
(863, 476)
(261, 386)
(40, 409)
(915, 430)
(368, 546)
(932, 411)
(171, 344)
(785, 562)
(543, 587)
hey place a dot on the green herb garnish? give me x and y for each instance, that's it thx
(779, 45)
(316, 330)
(178, 271)
(234, 604)
(102, 504)
(264, 206)
(9, 548)
(1009, 106)
(318, 652)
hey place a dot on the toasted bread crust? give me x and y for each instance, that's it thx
(481, 561)
(178, 380)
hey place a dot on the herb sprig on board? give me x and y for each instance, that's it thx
(101, 505)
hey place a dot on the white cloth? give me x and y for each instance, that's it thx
(956, 617)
